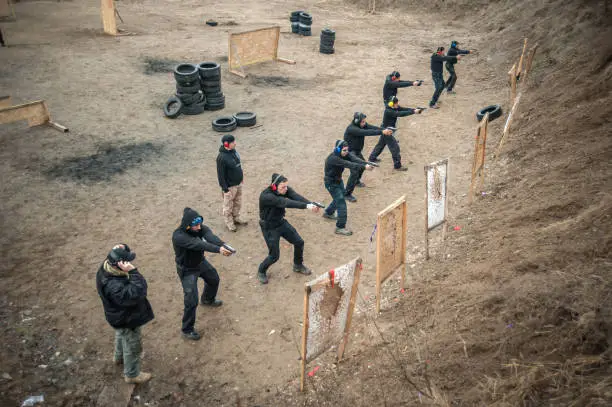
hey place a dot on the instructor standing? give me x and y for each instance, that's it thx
(229, 173)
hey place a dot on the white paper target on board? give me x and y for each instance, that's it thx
(436, 193)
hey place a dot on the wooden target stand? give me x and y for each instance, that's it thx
(109, 21)
(36, 113)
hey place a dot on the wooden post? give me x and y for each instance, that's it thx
(529, 61)
(404, 241)
(445, 227)
(304, 337)
(512, 75)
(507, 126)
(426, 220)
(478, 161)
(5, 101)
(520, 65)
(108, 17)
(484, 151)
(349, 317)
(378, 261)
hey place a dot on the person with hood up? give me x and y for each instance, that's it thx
(437, 59)
(191, 240)
(393, 83)
(273, 202)
(453, 51)
(123, 291)
(335, 164)
(355, 135)
(392, 112)
(229, 173)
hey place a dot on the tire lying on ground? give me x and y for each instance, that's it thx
(494, 111)
(186, 73)
(224, 123)
(173, 107)
(245, 119)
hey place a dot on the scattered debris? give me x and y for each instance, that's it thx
(32, 400)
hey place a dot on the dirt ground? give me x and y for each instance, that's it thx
(124, 173)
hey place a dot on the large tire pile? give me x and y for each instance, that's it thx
(295, 21)
(328, 37)
(210, 75)
(301, 23)
(188, 90)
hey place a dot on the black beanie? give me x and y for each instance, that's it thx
(228, 138)
(395, 73)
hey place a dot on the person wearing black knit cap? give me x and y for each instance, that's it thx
(335, 164)
(437, 59)
(453, 51)
(392, 112)
(123, 291)
(273, 201)
(229, 174)
(393, 82)
(354, 135)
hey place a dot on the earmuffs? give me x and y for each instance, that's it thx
(273, 185)
(358, 117)
(392, 101)
(226, 144)
(395, 75)
(338, 149)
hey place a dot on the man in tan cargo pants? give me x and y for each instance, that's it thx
(229, 172)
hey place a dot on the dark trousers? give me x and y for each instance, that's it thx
(272, 237)
(452, 79)
(394, 147)
(355, 176)
(189, 280)
(438, 79)
(338, 203)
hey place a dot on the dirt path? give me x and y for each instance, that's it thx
(57, 228)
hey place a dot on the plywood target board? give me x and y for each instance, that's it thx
(329, 302)
(391, 229)
(252, 47)
(436, 193)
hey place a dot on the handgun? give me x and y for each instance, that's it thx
(320, 205)
(230, 248)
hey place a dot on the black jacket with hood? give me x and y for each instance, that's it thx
(124, 298)
(354, 135)
(335, 165)
(229, 168)
(189, 247)
(437, 60)
(272, 206)
(390, 116)
(453, 52)
(391, 86)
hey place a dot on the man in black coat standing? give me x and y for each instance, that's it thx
(123, 291)
(191, 240)
(437, 59)
(335, 164)
(229, 174)
(453, 51)
(273, 202)
(392, 112)
(393, 83)
(355, 135)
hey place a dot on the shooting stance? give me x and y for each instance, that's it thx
(453, 51)
(393, 83)
(438, 76)
(191, 240)
(229, 173)
(355, 135)
(392, 112)
(335, 164)
(123, 291)
(273, 202)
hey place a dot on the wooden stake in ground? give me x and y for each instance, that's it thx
(529, 62)
(479, 157)
(507, 126)
(304, 337)
(512, 79)
(520, 64)
(436, 199)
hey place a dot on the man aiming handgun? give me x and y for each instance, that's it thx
(393, 83)
(335, 164)
(355, 135)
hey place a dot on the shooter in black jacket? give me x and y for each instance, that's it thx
(453, 51)
(392, 111)
(354, 136)
(190, 240)
(335, 164)
(272, 204)
(437, 59)
(393, 82)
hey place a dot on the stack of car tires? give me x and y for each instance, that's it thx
(295, 21)
(304, 24)
(328, 37)
(210, 81)
(189, 97)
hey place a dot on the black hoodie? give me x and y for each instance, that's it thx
(390, 88)
(229, 168)
(335, 165)
(453, 52)
(188, 245)
(354, 135)
(437, 60)
(272, 206)
(390, 116)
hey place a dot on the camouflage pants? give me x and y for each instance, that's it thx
(128, 346)
(232, 202)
